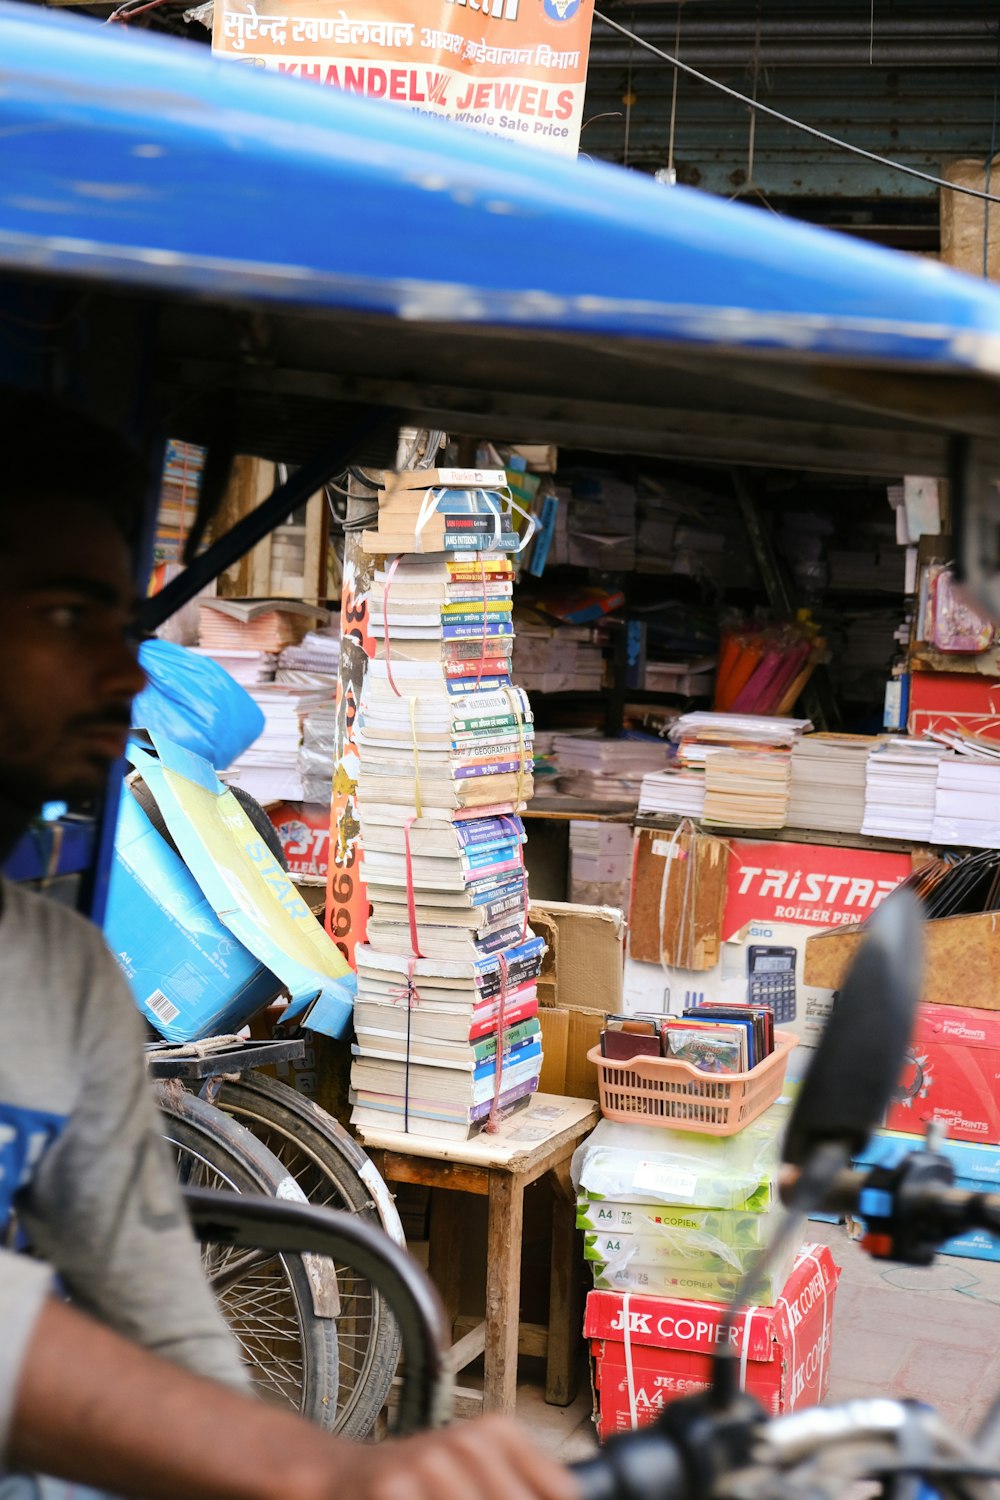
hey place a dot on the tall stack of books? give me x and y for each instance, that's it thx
(447, 1030)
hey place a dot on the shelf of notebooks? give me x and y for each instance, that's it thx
(669, 822)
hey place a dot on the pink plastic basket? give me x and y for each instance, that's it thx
(662, 1091)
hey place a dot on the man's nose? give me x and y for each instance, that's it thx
(122, 676)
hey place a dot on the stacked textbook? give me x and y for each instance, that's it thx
(829, 775)
(446, 1015)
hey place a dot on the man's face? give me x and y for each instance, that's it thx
(68, 670)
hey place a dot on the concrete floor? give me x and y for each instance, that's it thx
(931, 1334)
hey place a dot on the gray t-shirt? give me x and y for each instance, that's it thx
(81, 1155)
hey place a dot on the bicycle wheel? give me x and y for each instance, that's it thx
(268, 1301)
(330, 1168)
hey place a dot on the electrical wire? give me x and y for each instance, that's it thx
(776, 114)
(125, 12)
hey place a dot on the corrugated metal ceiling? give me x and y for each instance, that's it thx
(918, 87)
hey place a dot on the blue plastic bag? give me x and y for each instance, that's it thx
(193, 701)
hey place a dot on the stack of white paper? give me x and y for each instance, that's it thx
(900, 788)
(828, 781)
(967, 803)
(673, 791)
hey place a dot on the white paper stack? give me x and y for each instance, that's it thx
(600, 863)
(269, 770)
(674, 790)
(609, 770)
(556, 658)
(248, 668)
(967, 803)
(828, 781)
(314, 663)
(900, 789)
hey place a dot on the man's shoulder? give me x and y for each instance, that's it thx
(35, 926)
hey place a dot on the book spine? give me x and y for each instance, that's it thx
(523, 952)
(489, 724)
(524, 1010)
(496, 942)
(459, 686)
(515, 1036)
(520, 1090)
(484, 831)
(487, 893)
(470, 632)
(505, 906)
(481, 541)
(492, 768)
(518, 1055)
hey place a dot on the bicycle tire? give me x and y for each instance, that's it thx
(328, 1165)
(290, 1350)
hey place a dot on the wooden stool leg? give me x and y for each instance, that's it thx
(444, 1260)
(564, 1294)
(503, 1291)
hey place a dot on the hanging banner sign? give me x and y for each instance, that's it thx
(512, 68)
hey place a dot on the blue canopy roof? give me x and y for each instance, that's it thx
(141, 159)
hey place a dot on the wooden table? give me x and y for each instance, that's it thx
(532, 1143)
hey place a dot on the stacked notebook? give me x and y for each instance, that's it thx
(255, 624)
(443, 510)
(314, 663)
(967, 803)
(748, 788)
(446, 1015)
(829, 773)
(900, 789)
(606, 770)
(674, 790)
(269, 770)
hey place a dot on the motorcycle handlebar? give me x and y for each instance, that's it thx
(643, 1465)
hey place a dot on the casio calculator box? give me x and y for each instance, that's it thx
(775, 897)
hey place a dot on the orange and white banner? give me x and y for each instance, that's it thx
(512, 68)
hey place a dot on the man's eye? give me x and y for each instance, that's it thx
(65, 616)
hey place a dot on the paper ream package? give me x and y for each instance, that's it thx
(648, 1351)
(708, 1281)
(741, 1228)
(625, 1163)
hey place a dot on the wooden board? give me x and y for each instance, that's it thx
(524, 1137)
(678, 899)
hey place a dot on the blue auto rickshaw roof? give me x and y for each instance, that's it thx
(142, 159)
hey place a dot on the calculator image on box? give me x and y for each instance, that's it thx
(771, 980)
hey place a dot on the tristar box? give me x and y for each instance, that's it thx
(977, 1170)
(304, 831)
(952, 1074)
(204, 922)
(648, 1351)
(776, 896)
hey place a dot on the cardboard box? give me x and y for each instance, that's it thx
(587, 953)
(188, 975)
(951, 1074)
(961, 960)
(784, 1350)
(777, 896)
(567, 1037)
(977, 1169)
(304, 831)
(218, 926)
(678, 899)
(581, 978)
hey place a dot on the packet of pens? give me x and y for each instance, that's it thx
(713, 1037)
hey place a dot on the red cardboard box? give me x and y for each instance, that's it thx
(304, 831)
(784, 1351)
(954, 700)
(952, 1074)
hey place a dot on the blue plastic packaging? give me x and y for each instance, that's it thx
(194, 702)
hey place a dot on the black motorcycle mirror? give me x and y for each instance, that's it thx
(860, 1056)
(846, 1090)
